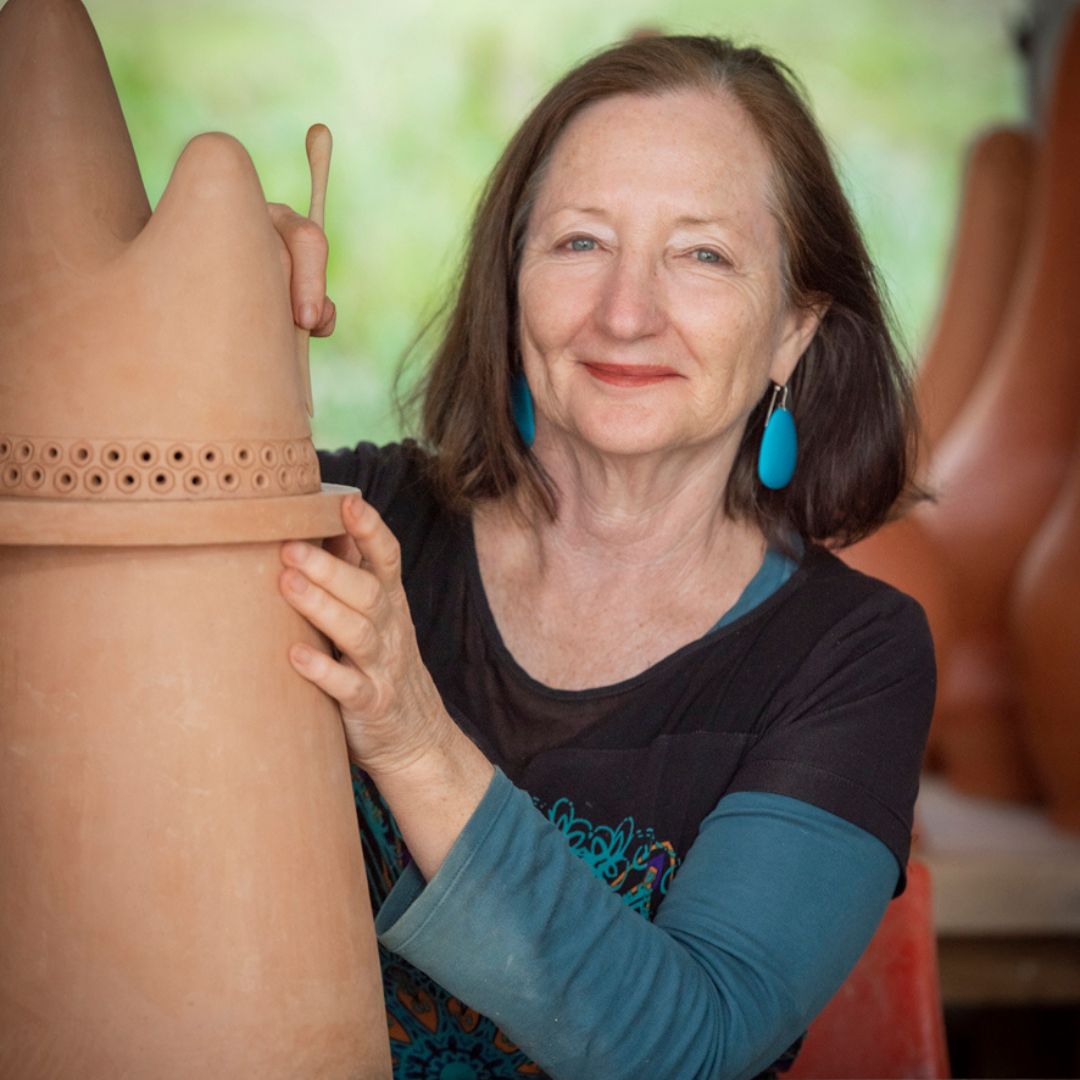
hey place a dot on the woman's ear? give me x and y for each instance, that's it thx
(799, 326)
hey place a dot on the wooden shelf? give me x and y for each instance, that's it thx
(1006, 896)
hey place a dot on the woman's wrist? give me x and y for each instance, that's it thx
(434, 794)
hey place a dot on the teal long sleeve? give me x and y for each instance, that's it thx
(774, 903)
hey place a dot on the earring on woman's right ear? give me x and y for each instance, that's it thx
(779, 443)
(521, 408)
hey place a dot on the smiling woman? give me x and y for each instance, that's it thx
(673, 276)
(612, 671)
(751, 167)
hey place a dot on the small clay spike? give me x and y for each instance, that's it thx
(319, 145)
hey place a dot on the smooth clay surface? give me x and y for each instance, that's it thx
(1001, 465)
(183, 890)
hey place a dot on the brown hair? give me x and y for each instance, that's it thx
(850, 394)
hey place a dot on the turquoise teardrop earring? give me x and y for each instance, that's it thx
(779, 443)
(521, 406)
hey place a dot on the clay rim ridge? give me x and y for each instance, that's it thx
(39, 522)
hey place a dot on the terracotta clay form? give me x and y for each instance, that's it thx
(987, 248)
(182, 890)
(1047, 643)
(1001, 465)
(986, 251)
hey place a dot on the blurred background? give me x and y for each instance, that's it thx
(421, 98)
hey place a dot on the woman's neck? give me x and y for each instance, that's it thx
(636, 564)
(645, 512)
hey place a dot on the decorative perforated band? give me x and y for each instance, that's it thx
(155, 468)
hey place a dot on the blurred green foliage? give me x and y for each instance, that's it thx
(422, 96)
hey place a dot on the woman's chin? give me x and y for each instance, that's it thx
(627, 436)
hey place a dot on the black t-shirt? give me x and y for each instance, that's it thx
(823, 692)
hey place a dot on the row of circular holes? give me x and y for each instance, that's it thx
(146, 454)
(161, 482)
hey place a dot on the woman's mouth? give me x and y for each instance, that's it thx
(630, 374)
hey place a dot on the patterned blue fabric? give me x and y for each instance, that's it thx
(433, 1036)
(735, 966)
(628, 857)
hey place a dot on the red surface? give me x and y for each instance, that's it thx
(886, 1020)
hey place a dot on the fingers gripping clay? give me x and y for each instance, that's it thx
(181, 882)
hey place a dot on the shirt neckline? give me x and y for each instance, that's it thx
(478, 600)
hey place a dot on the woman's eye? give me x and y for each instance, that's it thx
(707, 255)
(581, 243)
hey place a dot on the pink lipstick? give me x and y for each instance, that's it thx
(631, 374)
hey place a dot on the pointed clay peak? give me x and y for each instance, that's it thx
(70, 191)
(208, 274)
(175, 327)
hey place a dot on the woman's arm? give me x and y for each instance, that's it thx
(773, 905)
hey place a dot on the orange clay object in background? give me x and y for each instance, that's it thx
(1000, 467)
(986, 249)
(182, 890)
(1046, 625)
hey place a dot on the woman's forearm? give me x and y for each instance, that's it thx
(434, 796)
(771, 907)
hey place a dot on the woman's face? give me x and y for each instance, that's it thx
(651, 311)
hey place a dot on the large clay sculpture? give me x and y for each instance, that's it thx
(991, 227)
(1047, 643)
(1001, 465)
(986, 248)
(182, 890)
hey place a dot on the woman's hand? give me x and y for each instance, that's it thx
(305, 261)
(431, 775)
(393, 713)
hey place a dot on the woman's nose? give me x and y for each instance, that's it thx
(630, 305)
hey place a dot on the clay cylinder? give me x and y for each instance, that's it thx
(987, 247)
(986, 250)
(999, 468)
(1046, 637)
(183, 889)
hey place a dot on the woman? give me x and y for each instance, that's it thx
(592, 659)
